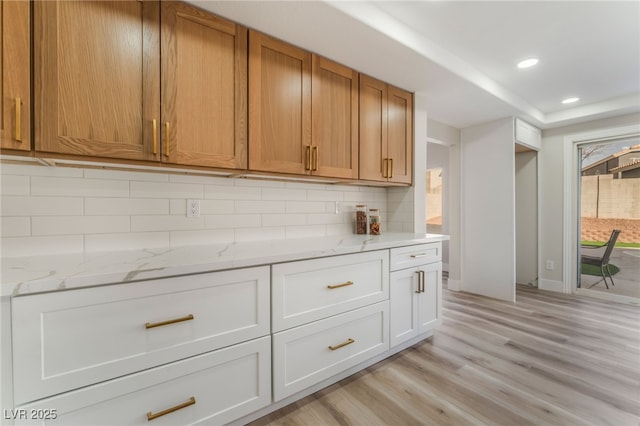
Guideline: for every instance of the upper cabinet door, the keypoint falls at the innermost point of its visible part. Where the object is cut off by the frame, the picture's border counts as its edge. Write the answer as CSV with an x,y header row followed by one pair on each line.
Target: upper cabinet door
x,y
279,106
334,120
373,129
204,88
400,135
386,132
15,116
97,86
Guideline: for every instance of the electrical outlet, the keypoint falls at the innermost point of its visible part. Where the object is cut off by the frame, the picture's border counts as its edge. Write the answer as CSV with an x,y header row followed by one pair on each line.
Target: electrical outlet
x,y
550,265
193,208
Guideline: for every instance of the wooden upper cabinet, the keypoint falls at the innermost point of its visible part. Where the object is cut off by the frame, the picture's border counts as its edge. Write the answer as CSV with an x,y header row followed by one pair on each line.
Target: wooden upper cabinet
x,y
15,116
386,132
204,88
279,106
400,135
334,119
96,78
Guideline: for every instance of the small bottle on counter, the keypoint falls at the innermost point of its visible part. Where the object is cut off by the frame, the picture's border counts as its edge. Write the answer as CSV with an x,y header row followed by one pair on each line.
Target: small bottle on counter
x,y
374,222
361,219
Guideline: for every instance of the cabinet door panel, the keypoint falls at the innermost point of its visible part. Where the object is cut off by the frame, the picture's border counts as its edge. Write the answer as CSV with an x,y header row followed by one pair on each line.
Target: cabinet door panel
x,y
279,106
373,128
428,301
400,135
15,116
204,88
403,314
334,119
96,77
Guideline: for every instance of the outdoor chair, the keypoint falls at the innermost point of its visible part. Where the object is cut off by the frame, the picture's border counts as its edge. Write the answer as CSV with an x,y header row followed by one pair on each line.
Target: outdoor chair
x,y
602,261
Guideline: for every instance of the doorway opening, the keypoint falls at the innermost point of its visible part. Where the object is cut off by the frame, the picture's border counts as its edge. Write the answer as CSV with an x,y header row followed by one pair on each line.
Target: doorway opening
x,y
609,200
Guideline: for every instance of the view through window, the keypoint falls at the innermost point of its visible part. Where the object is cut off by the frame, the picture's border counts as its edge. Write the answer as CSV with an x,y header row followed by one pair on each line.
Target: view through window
x,y
610,200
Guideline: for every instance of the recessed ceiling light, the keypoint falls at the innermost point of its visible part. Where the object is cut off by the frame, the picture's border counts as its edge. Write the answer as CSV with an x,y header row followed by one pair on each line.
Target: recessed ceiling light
x,y
570,100
527,63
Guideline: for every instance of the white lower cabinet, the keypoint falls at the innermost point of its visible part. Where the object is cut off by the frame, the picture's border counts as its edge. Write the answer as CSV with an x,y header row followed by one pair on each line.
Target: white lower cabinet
x,y
415,295
213,388
306,355
69,339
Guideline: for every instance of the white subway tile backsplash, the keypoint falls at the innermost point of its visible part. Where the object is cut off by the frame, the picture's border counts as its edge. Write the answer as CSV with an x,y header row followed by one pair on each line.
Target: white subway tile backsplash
x,y
14,185
15,226
65,186
47,210
201,236
78,225
229,221
126,206
226,192
166,190
165,223
41,206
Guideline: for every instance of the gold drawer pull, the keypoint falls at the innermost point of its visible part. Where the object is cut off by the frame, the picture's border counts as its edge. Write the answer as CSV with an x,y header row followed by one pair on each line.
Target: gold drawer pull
x,y
342,345
417,256
314,163
168,322
348,283
151,416
167,150
18,120
390,174
307,165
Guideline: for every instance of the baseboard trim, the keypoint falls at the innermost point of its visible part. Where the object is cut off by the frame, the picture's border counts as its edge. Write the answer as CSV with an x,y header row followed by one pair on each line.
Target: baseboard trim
x,y
551,285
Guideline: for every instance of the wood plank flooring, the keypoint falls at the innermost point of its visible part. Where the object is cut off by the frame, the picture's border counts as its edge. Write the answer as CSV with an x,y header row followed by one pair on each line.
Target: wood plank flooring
x,y
549,359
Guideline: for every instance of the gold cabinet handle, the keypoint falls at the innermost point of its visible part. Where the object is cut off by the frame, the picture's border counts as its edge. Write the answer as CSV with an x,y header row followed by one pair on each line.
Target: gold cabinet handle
x,y
342,345
167,139
390,172
151,416
334,286
154,125
385,167
307,165
421,281
168,322
314,167
417,256
18,119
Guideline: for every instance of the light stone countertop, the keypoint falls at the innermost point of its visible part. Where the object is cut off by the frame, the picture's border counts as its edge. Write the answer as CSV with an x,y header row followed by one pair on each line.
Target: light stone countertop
x,y
36,274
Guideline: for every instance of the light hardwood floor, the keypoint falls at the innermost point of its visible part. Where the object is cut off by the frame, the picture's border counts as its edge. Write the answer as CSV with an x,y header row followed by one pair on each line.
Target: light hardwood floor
x,y
549,359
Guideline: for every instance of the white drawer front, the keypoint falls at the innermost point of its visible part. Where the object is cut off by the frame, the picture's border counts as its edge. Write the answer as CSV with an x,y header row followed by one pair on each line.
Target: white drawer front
x,y
225,384
309,290
66,340
410,256
302,356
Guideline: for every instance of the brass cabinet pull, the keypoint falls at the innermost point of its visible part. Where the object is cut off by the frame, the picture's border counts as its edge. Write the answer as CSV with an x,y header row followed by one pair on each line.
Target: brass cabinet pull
x,y
314,166
151,416
385,167
417,256
307,164
390,173
421,273
419,281
340,285
168,322
154,125
167,139
18,120
342,345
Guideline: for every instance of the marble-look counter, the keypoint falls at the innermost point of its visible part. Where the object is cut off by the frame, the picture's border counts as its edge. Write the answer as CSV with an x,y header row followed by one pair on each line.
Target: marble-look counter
x,y
27,275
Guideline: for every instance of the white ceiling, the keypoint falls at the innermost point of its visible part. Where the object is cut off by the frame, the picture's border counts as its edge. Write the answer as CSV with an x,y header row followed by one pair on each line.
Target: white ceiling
x,y
462,55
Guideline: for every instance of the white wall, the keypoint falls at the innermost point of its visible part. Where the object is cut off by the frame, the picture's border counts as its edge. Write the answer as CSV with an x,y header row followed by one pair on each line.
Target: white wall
x,y
48,210
551,165
488,209
526,217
